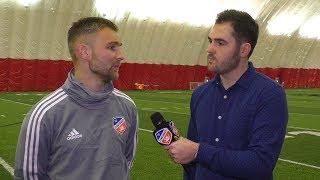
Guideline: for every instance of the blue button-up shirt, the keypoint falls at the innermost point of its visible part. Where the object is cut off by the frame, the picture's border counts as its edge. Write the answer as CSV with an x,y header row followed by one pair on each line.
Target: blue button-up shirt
x,y
240,130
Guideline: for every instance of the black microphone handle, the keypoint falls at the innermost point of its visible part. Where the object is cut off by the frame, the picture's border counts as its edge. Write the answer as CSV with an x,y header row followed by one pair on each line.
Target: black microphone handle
x,y
157,119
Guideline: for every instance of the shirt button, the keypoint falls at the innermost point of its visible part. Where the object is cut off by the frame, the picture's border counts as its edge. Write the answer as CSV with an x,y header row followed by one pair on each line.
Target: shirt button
x,y
217,139
219,117
225,97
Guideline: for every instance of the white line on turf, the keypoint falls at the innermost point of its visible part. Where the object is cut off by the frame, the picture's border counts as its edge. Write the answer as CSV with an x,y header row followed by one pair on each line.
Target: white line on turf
x,y
29,94
150,109
147,130
302,114
15,102
170,92
298,163
288,136
289,161
294,127
146,109
154,110
166,102
6,166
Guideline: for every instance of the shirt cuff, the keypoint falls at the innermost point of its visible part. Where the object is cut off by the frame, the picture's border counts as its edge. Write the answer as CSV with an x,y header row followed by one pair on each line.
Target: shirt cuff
x,y
205,153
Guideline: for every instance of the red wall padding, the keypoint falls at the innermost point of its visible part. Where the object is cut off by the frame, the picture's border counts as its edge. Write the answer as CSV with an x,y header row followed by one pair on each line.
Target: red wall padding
x,y
48,75
32,75
4,80
160,76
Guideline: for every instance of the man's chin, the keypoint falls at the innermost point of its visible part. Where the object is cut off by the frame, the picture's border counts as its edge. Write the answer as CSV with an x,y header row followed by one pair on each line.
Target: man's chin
x,y
112,77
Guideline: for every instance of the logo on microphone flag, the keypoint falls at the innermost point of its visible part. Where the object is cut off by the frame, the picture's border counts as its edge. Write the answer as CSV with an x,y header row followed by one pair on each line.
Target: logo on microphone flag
x,y
163,136
119,124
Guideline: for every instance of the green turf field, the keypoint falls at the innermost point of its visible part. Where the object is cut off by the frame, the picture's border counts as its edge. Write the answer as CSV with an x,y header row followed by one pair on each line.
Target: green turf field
x,y
299,159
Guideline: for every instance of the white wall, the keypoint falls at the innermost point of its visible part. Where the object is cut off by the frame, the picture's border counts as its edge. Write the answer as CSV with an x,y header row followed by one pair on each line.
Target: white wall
x,y
39,32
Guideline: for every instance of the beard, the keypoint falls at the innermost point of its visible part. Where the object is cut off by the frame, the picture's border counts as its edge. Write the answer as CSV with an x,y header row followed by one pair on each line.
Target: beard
x,y
106,74
227,65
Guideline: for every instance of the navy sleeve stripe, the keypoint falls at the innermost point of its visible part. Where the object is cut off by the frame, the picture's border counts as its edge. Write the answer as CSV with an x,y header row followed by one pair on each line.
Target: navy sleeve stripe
x,y
30,161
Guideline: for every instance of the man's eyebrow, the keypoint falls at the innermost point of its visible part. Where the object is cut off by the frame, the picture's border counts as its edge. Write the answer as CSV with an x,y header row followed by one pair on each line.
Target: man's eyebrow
x,y
219,39
114,43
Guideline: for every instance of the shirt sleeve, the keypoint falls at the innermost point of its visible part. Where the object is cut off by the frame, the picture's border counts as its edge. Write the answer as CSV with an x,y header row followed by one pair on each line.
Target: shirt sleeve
x,y
132,139
33,148
267,136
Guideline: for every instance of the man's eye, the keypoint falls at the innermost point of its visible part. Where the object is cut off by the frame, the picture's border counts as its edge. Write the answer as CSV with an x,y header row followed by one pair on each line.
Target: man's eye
x,y
219,43
113,48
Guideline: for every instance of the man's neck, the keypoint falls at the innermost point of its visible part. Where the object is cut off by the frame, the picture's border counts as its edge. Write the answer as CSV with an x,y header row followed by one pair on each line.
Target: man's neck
x,y
230,78
89,80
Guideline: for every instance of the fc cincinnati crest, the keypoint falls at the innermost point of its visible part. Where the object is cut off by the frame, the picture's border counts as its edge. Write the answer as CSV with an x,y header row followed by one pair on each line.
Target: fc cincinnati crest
x,y
164,136
119,124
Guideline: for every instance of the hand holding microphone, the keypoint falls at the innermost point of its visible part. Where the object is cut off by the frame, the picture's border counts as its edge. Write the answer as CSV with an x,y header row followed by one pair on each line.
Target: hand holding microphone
x,y
181,150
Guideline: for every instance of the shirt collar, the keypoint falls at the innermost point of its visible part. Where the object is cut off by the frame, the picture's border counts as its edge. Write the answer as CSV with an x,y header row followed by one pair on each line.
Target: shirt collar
x,y
244,81
247,77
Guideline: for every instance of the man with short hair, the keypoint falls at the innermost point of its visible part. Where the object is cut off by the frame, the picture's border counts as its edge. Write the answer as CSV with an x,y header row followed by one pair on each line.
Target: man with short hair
x,y
238,119
86,129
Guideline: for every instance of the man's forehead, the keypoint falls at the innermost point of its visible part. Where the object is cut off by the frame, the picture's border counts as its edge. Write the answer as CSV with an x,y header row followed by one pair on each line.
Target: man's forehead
x,y
221,29
108,32
107,35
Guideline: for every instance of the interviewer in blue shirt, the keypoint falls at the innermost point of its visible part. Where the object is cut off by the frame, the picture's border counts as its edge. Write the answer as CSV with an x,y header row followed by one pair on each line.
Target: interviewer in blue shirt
x,y
238,119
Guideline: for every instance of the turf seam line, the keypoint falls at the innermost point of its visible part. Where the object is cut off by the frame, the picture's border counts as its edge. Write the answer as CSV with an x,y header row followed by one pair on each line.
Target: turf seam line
x,y
16,102
11,124
147,130
295,127
298,163
166,102
6,166
305,114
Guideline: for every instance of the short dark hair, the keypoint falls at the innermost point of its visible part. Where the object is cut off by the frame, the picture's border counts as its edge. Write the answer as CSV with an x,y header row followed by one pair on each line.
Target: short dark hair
x,y
87,25
246,29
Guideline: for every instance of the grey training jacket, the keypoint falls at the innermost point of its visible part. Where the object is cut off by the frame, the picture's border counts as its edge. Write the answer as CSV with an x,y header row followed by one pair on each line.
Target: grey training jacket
x,y
76,134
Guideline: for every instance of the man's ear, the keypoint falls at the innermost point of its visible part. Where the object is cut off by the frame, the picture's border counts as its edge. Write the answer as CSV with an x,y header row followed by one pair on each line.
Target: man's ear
x,y
83,51
245,49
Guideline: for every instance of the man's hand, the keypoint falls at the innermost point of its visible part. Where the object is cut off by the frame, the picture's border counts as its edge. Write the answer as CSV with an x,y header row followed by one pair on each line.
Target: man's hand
x,y
183,150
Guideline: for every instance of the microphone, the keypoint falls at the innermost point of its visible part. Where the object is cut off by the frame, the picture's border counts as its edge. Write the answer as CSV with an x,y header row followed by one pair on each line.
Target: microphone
x,y
165,132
